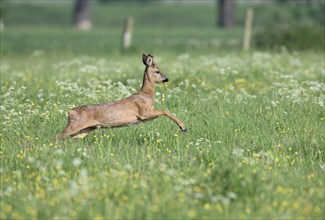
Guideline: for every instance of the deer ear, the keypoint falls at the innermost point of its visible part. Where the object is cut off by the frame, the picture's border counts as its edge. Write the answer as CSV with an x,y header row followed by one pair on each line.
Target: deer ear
x,y
147,59
144,59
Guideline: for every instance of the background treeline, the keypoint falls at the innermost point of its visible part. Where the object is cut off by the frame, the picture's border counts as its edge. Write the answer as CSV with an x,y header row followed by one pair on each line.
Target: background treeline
x,y
296,25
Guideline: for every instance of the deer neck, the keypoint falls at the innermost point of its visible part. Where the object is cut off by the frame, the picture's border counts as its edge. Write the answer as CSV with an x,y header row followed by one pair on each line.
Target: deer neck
x,y
148,86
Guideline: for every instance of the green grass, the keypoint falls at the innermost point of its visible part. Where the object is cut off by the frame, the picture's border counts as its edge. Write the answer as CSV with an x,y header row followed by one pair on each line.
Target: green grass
x,y
23,41
254,146
254,149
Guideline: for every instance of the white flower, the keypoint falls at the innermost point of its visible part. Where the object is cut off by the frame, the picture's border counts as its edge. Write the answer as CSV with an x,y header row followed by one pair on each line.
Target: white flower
x,y
76,162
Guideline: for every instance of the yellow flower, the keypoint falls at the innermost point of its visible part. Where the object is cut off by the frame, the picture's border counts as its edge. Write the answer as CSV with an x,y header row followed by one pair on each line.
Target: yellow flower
x,y
191,213
154,208
247,210
219,208
181,195
99,217
7,208
125,198
207,206
197,189
274,203
240,81
55,182
31,211
284,203
317,209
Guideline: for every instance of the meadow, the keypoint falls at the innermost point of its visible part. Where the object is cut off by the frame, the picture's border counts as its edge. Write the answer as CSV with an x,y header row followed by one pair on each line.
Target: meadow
x,y
254,146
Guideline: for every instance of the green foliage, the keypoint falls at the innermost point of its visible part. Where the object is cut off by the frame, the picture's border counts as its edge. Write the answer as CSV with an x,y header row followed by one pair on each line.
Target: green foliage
x,y
292,37
273,15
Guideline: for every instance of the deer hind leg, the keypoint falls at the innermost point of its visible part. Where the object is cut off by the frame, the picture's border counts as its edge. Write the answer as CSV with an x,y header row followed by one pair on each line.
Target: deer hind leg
x,y
71,129
83,133
74,125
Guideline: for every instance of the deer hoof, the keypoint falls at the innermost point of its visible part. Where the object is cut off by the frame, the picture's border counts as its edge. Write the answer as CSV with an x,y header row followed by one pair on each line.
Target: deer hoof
x,y
184,129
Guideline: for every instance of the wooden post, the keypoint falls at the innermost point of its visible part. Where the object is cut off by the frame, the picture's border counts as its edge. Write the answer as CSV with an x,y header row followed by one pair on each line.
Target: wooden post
x,y
81,15
248,29
127,33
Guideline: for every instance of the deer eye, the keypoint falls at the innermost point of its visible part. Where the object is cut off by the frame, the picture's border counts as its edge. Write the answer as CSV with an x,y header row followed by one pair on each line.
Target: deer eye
x,y
157,71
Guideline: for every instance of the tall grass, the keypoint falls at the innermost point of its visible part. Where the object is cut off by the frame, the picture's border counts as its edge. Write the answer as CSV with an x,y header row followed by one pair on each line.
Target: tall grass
x,y
254,149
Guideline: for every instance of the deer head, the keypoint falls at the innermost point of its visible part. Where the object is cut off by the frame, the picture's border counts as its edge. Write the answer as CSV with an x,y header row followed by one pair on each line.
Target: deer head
x,y
152,71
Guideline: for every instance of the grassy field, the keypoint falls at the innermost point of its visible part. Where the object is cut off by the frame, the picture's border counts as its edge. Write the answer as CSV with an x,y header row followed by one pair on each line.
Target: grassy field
x,y
254,146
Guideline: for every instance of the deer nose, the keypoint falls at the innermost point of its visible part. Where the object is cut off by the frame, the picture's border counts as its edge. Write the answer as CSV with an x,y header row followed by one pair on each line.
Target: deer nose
x,y
165,80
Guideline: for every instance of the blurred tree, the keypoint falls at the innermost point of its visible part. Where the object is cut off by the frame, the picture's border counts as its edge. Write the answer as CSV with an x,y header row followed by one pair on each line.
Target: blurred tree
x,y
226,9
2,6
81,15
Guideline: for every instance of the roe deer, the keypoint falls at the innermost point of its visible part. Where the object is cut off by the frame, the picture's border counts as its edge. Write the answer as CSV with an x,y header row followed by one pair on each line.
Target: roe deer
x,y
131,110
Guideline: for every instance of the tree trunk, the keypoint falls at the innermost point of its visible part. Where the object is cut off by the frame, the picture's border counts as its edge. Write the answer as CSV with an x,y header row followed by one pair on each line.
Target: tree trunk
x,y
226,13
81,15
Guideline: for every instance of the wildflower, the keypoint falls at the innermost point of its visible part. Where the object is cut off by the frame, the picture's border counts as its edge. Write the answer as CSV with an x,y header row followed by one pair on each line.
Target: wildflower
x,y
58,164
191,213
247,210
218,207
207,206
7,208
181,195
154,208
99,217
197,189
317,209
76,162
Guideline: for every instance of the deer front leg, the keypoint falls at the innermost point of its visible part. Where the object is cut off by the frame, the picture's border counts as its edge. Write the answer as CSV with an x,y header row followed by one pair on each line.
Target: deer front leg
x,y
156,113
